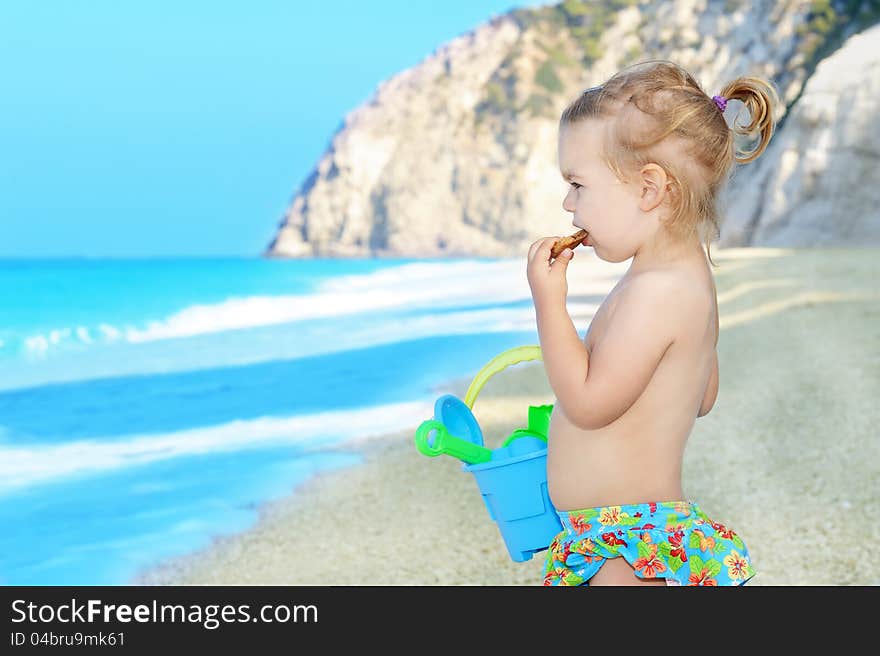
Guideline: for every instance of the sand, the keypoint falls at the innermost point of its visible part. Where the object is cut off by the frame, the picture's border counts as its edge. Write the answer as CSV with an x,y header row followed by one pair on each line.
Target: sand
x,y
789,456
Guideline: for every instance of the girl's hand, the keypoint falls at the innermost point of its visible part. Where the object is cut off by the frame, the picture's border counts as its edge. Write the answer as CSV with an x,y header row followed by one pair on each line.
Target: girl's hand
x,y
547,280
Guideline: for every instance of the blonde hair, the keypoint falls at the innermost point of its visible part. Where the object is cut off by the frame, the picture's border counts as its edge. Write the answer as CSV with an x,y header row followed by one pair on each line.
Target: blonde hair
x,y
655,111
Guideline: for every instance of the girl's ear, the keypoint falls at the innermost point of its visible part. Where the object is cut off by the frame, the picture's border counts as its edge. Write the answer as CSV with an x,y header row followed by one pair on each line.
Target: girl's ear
x,y
654,186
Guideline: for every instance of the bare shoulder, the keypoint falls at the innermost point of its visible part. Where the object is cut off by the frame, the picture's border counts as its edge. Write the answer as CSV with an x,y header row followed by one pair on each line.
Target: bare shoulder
x,y
676,295
664,287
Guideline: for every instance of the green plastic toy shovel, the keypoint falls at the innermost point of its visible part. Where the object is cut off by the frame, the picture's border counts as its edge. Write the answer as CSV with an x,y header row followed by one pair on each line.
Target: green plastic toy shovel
x,y
444,443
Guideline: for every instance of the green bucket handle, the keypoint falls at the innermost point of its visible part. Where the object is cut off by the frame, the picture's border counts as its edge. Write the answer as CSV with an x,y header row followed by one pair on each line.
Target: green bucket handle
x,y
498,364
539,416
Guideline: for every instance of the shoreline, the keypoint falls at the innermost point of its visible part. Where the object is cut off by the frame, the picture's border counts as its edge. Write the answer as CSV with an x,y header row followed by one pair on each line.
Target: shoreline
x,y
353,503
790,437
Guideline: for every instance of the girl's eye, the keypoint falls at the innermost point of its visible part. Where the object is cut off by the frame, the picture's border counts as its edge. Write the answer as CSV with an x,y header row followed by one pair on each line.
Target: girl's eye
x,y
575,185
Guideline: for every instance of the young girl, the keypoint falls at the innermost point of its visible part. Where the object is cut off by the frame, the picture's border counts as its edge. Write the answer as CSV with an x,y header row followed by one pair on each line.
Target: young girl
x,y
645,154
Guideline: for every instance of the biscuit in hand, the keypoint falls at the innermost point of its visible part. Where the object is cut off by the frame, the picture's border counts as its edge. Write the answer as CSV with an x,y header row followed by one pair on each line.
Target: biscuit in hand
x,y
568,242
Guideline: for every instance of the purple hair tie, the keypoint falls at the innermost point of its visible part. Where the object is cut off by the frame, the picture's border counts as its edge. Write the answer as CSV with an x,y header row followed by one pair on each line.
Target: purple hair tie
x,y
721,102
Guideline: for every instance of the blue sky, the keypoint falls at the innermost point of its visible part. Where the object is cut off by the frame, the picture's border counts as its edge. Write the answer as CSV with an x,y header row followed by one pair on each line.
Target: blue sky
x,y
184,128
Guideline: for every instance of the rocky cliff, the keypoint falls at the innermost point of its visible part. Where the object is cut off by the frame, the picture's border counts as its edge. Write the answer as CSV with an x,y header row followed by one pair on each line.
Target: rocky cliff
x,y
457,155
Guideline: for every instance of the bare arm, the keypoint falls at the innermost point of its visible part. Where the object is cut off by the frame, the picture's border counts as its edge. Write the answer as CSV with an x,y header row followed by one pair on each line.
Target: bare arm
x,y
566,359
596,389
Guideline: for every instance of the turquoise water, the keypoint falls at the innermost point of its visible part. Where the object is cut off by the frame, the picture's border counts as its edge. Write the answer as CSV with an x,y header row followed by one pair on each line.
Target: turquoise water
x,y
149,405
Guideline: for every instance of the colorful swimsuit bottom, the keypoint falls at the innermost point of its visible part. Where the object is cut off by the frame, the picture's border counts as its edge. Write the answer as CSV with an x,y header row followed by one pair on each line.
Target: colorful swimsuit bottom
x,y
674,540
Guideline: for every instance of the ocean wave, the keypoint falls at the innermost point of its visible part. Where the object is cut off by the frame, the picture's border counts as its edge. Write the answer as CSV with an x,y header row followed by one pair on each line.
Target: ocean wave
x,y
416,306
26,466
265,345
409,286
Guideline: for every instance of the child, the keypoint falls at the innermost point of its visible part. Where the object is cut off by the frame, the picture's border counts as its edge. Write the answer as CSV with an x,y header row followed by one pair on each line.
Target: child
x,y
645,155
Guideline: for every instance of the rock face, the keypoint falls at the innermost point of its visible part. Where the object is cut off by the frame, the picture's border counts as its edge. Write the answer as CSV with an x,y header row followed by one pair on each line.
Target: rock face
x,y
457,155
818,183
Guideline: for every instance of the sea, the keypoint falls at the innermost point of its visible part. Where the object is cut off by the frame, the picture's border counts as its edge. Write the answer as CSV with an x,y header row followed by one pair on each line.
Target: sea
x,y
149,405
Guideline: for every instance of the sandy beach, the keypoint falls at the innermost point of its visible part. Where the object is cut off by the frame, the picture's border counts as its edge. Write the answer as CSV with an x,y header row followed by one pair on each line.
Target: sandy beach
x,y
788,457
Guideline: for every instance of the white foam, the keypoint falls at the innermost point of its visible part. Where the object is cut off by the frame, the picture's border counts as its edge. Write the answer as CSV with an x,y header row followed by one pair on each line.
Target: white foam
x,y
37,344
56,336
111,333
24,466
82,334
410,286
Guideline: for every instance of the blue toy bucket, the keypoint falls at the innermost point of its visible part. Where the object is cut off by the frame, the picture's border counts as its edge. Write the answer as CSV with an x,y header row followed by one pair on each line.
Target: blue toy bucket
x,y
514,482
515,493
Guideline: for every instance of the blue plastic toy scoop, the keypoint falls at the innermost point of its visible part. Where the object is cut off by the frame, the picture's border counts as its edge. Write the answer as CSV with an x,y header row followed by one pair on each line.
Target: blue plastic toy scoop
x,y
454,413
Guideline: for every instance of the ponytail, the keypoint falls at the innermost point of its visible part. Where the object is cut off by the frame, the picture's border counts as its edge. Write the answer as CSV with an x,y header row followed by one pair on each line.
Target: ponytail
x,y
760,98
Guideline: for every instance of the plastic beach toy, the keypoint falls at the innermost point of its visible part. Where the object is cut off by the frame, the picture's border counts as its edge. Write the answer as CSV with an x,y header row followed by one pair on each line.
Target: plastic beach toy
x,y
511,478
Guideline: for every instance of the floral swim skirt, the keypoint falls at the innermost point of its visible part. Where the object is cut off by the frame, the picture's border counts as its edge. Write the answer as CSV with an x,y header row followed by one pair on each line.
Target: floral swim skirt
x,y
674,540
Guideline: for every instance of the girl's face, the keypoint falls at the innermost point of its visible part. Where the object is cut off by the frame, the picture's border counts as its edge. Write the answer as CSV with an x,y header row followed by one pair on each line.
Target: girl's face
x,y
602,205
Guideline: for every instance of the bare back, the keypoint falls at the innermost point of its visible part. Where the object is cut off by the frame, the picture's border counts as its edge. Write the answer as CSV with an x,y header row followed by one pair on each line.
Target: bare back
x,y
638,457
